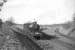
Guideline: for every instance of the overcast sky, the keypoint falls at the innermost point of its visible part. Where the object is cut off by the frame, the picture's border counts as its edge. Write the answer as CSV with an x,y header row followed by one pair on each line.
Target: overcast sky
x,y
44,11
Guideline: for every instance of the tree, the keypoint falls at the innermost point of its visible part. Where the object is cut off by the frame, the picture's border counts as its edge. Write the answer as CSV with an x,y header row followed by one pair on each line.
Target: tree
x,y
10,21
74,17
2,3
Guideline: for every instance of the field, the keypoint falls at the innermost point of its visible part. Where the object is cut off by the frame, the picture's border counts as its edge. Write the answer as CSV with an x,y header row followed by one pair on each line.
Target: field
x,y
62,43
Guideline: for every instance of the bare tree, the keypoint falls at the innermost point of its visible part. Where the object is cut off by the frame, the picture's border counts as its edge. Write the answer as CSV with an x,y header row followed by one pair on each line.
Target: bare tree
x,y
74,17
2,3
10,21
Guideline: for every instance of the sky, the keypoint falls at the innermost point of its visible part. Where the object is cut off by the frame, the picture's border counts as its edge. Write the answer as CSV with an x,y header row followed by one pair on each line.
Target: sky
x,y
42,11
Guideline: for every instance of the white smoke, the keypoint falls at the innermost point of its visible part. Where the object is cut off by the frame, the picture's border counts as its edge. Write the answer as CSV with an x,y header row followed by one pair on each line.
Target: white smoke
x,y
44,11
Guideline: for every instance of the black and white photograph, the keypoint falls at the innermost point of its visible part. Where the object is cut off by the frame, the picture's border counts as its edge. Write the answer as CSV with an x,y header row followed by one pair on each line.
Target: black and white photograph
x,y
37,24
